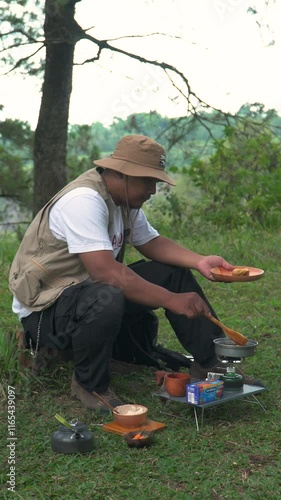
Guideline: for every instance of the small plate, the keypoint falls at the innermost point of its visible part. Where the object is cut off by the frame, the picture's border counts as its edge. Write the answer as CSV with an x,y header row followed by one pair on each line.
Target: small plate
x,y
221,274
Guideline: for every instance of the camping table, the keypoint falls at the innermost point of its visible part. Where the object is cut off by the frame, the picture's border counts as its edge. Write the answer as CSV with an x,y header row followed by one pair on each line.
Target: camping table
x,y
247,390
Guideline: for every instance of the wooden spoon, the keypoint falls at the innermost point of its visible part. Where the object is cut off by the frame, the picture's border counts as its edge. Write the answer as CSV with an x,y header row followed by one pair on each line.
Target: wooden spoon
x,y
237,337
106,403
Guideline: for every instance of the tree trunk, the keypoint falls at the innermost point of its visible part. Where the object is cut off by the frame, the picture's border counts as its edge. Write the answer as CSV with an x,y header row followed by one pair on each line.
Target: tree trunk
x,y
50,140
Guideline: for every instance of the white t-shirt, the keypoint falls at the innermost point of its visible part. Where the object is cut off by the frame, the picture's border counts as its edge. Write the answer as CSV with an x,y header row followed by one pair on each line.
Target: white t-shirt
x,y
80,218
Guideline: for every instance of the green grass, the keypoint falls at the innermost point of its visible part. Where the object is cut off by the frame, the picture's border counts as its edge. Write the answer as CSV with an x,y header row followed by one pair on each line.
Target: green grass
x,y
236,454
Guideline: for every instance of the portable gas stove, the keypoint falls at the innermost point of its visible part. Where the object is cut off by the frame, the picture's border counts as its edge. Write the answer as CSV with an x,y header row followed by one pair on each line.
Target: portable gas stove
x,y
231,354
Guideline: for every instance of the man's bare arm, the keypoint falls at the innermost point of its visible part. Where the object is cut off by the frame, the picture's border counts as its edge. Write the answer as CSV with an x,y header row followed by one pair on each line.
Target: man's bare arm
x,y
102,267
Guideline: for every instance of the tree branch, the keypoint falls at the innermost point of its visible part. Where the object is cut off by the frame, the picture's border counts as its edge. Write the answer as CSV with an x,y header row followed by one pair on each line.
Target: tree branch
x,y
21,61
22,32
103,44
20,44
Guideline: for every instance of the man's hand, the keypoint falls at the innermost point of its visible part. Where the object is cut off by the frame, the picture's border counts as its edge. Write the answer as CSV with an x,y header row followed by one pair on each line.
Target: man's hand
x,y
206,263
189,304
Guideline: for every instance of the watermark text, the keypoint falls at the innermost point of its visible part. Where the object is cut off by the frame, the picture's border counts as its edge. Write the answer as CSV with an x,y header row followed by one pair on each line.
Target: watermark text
x,y
11,438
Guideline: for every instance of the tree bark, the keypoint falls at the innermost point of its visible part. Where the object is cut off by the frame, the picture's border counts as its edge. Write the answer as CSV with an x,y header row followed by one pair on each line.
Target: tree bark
x,y
50,140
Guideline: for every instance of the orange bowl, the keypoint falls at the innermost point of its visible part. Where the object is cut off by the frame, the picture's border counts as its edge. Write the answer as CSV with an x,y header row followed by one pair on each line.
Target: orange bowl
x,y
130,415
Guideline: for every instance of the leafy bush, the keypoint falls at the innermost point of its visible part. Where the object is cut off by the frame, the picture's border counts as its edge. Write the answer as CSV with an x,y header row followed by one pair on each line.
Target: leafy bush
x,y
171,211
241,182
16,140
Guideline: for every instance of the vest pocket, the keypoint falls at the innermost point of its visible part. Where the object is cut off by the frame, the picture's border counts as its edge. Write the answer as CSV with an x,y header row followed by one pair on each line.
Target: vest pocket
x,y
34,291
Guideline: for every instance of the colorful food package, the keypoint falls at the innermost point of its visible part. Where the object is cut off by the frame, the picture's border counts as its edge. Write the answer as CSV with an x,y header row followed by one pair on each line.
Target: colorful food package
x,y
205,391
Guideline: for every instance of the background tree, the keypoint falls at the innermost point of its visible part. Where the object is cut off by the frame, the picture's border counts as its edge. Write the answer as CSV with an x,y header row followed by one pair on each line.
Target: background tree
x,y
60,36
82,150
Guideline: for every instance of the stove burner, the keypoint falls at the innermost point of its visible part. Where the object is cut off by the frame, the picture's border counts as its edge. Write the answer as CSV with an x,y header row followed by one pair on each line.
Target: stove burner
x,y
232,354
232,381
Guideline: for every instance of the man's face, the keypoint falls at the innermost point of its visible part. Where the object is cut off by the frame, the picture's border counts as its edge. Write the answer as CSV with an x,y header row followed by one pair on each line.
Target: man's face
x,y
139,190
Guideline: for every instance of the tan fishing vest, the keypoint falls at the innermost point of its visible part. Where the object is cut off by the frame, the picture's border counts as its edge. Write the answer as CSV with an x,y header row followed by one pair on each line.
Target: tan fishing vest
x,y
43,267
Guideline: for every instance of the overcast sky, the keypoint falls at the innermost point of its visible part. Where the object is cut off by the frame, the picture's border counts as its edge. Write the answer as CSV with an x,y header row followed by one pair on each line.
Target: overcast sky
x,y
230,58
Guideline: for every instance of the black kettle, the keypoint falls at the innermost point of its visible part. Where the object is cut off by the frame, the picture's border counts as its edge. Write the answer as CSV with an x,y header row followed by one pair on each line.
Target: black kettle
x,y
73,437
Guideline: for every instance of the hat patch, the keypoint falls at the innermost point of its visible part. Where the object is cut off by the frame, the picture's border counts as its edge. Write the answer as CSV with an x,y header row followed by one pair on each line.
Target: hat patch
x,y
162,161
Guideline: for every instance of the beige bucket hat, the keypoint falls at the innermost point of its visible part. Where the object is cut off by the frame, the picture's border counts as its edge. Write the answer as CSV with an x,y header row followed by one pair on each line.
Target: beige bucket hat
x,y
138,156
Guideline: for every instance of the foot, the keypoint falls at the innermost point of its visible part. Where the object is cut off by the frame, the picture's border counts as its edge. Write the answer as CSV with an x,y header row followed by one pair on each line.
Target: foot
x,y
197,372
90,401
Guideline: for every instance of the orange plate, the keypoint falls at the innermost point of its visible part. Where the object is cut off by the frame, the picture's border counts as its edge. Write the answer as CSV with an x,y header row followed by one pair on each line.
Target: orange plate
x,y
221,274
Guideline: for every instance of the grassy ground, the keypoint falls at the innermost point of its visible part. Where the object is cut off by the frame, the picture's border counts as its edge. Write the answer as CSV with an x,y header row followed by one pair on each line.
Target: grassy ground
x,y
236,454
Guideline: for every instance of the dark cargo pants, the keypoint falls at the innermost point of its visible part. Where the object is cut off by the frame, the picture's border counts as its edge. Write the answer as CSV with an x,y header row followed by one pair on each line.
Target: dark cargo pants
x,y
87,318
